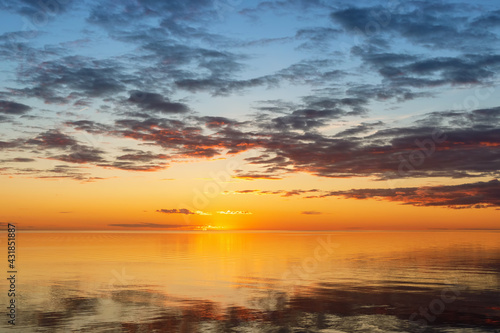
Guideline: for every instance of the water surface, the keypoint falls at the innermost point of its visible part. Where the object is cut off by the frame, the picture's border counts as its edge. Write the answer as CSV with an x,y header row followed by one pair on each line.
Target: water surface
x,y
257,282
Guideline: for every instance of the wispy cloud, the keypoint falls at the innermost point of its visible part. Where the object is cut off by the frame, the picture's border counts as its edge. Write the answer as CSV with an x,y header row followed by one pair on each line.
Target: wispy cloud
x,y
237,212
183,211
311,212
152,225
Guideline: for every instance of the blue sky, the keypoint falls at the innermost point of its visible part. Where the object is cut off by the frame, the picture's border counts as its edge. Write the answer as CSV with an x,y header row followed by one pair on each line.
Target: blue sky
x,y
330,89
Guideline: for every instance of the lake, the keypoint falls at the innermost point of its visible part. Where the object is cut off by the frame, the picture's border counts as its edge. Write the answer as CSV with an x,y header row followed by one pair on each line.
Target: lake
x,y
250,281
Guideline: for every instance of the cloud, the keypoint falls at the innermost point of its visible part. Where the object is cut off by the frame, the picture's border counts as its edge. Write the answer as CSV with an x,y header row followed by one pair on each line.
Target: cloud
x,y
155,102
20,160
363,128
35,10
302,72
89,126
9,144
81,154
184,140
72,78
283,193
238,212
176,211
128,166
415,151
487,21
472,195
137,160
142,93
54,173
52,139
181,211
189,212
317,37
13,108
122,14
141,156
403,70
218,122
432,25
74,152
385,92
152,225
254,176
315,112
311,212
466,146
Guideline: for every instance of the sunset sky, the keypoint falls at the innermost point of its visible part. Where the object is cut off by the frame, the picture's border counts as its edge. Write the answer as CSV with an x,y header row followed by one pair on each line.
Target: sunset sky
x,y
233,114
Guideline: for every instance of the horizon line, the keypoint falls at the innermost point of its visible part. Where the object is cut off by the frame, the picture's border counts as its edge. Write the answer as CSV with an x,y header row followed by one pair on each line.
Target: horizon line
x,y
254,230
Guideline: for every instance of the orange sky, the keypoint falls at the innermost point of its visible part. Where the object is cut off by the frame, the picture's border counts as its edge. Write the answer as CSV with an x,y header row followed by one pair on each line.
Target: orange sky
x,y
135,198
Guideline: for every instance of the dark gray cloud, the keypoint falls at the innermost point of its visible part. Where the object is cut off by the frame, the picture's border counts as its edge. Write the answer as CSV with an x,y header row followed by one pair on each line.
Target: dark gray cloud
x,y
317,37
72,78
478,119
223,87
443,144
141,156
155,102
73,151
137,160
385,92
363,128
9,144
81,154
403,70
56,172
13,108
184,140
446,25
111,15
487,21
89,126
315,112
22,160
305,119
131,166
473,195
52,139
218,122
36,10
283,6
303,72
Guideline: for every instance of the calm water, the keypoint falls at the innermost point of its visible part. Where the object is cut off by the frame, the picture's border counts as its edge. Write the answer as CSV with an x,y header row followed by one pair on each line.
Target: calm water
x,y
257,282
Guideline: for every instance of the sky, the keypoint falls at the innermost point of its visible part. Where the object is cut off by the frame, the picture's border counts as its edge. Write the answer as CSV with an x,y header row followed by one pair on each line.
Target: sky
x,y
232,114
